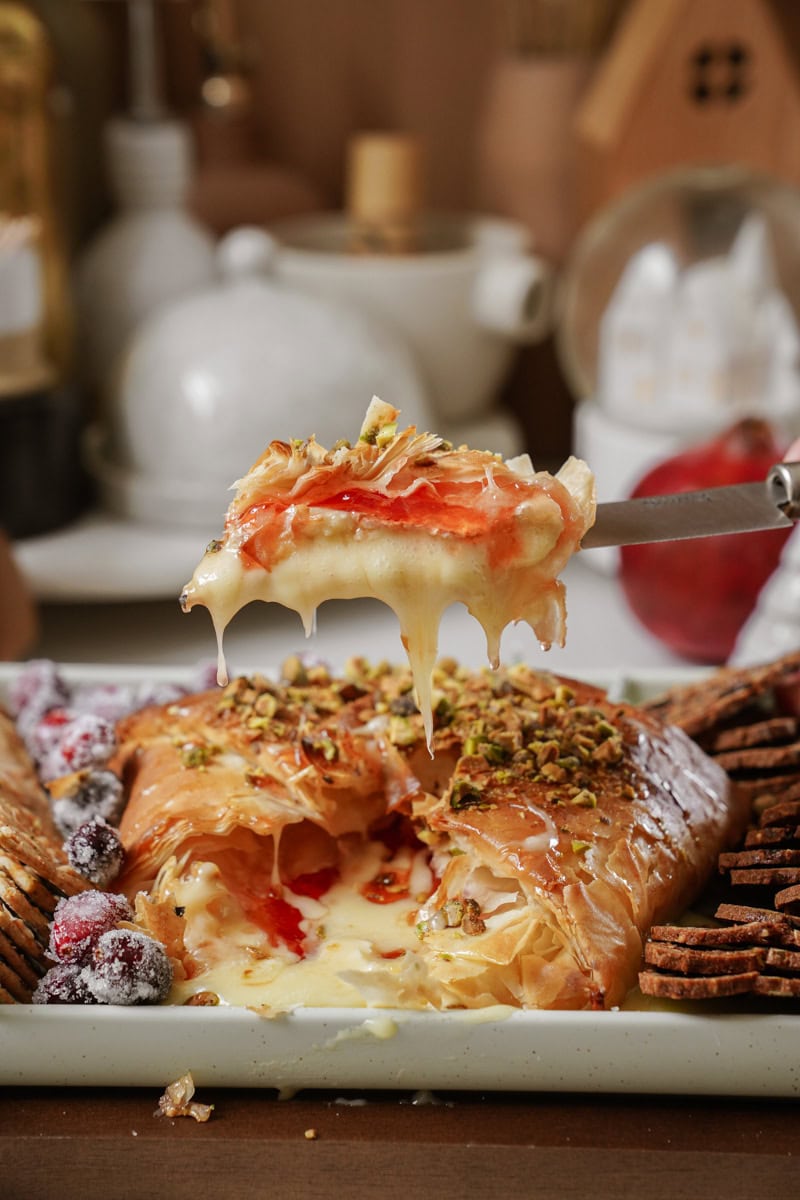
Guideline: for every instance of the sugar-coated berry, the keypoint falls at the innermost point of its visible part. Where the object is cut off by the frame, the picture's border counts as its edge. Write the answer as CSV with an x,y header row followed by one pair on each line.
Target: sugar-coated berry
x,y
80,921
95,793
43,737
38,688
64,741
128,967
111,701
63,984
95,851
88,741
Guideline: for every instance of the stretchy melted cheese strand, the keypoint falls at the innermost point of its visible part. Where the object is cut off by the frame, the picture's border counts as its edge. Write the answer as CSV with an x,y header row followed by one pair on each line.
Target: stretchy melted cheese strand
x,y
406,519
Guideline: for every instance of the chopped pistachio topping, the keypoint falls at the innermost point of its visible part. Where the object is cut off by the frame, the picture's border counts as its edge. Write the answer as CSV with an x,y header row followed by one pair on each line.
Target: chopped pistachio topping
x,y
197,755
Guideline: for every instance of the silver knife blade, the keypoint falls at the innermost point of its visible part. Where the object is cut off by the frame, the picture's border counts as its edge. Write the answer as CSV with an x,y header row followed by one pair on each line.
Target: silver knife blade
x,y
773,503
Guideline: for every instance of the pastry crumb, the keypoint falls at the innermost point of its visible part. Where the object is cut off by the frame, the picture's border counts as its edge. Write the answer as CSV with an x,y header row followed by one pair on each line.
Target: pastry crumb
x,y
177,1101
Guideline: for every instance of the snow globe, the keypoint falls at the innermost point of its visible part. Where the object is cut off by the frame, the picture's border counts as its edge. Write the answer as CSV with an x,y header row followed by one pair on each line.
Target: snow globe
x,y
678,316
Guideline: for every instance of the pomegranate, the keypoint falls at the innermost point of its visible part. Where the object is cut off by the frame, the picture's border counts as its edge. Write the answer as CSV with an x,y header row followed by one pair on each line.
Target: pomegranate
x,y
695,595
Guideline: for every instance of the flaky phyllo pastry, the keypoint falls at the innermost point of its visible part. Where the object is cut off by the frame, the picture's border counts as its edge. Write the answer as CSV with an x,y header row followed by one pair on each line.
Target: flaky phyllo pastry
x,y
408,519
317,854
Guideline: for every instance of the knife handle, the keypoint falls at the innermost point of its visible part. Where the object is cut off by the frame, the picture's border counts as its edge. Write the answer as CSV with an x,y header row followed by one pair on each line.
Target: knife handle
x,y
783,488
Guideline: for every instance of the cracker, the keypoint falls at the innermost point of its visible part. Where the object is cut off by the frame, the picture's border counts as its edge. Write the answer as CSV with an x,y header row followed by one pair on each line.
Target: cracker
x,y
704,705
778,835
689,960
771,795
755,933
51,867
760,856
38,893
784,812
788,900
686,987
746,912
776,877
20,964
776,985
759,758
31,939
757,733
11,982
766,790
783,960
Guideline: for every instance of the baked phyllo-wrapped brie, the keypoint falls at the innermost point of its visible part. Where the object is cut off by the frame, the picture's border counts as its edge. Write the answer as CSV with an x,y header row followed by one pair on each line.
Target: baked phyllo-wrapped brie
x,y
318,855
405,518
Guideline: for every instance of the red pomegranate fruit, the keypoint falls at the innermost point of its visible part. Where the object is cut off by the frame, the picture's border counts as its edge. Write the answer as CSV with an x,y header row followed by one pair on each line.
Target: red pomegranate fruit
x,y
695,595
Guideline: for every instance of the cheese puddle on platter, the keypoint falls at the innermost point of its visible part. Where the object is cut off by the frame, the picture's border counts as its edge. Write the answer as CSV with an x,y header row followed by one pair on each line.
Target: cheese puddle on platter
x,y
358,951
405,519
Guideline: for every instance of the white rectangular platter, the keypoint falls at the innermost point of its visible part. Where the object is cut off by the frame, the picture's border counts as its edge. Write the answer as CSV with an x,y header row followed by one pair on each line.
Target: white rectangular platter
x,y
711,1052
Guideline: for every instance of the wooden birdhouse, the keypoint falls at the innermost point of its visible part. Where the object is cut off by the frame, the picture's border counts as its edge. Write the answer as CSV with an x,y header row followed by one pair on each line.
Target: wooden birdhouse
x,y
691,82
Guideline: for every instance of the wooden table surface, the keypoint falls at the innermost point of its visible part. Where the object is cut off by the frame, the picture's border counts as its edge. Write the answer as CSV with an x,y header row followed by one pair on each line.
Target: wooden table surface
x,y
86,1143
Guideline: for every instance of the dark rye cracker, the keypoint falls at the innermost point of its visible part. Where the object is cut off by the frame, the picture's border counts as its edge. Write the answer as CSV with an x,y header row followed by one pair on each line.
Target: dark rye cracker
x,y
787,900
691,960
781,986
708,703
758,733
760,856
773,877
746,912
777,836
749,933
760,758
783,812
687,987
781,959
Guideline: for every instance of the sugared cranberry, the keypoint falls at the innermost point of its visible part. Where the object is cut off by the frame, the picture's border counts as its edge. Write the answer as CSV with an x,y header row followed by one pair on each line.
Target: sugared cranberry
x,y
95,793
43,737
95,851
38,688
65,741
128,967
63,984
88,741
79,922
111,701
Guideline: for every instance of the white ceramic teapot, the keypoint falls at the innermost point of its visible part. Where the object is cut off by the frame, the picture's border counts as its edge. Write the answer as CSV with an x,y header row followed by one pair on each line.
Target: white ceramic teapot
x,y
468,295
208,381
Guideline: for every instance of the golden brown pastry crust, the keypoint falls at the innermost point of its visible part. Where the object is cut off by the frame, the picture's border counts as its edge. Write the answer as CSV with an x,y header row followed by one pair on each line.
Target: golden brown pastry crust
x,y
571,821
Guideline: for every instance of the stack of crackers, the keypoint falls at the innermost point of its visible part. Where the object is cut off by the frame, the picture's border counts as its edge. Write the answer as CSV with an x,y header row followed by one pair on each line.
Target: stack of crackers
x,y
34,872
748,720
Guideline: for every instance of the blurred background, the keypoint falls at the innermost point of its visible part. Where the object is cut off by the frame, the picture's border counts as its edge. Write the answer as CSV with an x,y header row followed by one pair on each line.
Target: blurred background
x,y
545,225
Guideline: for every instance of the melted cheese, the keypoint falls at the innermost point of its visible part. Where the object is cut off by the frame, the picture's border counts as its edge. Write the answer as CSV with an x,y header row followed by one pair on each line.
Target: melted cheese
x,y
347,934
504,569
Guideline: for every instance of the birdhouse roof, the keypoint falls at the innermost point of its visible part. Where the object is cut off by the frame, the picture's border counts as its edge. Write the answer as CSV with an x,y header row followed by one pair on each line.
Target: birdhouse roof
x,y
654,41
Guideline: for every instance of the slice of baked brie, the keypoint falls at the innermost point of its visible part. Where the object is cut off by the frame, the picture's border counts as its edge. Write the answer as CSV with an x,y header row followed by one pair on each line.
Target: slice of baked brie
x,y
405,518
318,855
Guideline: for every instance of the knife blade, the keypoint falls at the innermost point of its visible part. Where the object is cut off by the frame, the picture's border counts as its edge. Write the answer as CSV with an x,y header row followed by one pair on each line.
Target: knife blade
x,y
772,503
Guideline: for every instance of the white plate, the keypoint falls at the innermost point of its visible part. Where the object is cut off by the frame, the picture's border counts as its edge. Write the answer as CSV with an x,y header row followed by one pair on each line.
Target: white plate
x,y
104,558
497,1049
708,1051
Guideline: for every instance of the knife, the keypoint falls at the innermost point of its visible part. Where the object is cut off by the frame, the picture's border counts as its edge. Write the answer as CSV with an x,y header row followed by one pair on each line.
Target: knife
x,y
772,503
